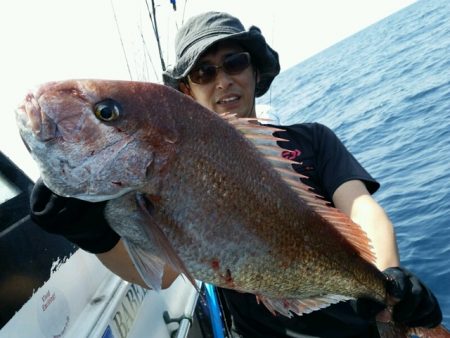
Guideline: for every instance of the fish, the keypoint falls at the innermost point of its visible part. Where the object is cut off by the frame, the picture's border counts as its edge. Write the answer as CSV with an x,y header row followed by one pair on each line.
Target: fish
x,y
208,195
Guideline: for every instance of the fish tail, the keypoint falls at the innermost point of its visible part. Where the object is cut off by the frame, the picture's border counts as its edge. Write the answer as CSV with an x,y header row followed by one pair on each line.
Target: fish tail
x,y
396,330
436,332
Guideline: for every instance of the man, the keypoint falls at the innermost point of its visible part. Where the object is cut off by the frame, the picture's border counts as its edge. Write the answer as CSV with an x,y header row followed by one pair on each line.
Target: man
x,y
224,67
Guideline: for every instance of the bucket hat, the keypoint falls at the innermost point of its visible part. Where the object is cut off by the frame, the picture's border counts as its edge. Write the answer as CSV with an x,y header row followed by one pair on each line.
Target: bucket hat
x,y
202,31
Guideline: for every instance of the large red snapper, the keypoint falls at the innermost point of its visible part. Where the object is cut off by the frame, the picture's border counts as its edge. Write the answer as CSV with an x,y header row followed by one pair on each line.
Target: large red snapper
x,y
208,195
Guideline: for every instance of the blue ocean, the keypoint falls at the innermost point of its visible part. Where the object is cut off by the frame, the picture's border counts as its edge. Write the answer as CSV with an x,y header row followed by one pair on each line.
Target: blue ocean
x,y
385,91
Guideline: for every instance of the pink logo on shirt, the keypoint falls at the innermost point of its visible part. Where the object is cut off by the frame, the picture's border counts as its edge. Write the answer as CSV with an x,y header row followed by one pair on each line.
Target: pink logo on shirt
x,y
291,154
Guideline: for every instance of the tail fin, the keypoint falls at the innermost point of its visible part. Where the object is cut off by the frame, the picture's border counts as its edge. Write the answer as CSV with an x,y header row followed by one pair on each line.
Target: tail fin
x,y
395,330
437,332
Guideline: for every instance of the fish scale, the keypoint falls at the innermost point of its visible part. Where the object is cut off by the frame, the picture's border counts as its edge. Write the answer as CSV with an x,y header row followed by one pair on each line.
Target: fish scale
x,y
207,195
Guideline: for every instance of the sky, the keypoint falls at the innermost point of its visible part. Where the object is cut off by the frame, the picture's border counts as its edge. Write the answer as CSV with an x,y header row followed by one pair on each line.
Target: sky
x,y
47,40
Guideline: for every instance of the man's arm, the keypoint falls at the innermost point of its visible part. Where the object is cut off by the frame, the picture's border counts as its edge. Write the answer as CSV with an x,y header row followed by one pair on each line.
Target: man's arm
x,y
355,201
417,306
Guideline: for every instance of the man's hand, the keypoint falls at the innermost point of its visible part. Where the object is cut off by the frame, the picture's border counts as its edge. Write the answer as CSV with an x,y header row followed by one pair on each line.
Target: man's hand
x,y
83,223
416,306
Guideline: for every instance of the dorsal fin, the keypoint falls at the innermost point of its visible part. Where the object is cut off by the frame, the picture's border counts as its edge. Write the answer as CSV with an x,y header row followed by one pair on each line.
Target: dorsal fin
x,y
262,137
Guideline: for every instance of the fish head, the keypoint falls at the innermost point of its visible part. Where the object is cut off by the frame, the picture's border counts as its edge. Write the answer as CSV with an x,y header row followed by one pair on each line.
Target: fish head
x,y
96,139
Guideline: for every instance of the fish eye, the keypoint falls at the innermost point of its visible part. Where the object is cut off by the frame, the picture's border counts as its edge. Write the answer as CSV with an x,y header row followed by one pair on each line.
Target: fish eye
x,y
107,110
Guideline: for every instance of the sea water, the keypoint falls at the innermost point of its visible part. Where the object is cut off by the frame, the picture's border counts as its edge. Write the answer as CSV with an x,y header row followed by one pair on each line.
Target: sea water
x,y
385,91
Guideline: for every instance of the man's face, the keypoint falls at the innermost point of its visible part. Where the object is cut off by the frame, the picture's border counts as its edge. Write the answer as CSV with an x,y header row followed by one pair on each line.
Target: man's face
x,y
225,92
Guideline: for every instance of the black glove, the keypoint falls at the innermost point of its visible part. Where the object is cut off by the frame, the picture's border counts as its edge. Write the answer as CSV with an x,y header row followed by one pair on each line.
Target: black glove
x,y
417,306
367,308
83,223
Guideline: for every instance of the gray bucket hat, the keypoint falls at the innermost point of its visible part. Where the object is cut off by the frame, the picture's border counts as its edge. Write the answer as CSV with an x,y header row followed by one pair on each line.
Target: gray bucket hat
x,y
202,31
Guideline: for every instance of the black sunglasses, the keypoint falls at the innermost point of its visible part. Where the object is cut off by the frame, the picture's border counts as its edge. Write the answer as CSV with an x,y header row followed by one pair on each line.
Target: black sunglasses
x,y
232,65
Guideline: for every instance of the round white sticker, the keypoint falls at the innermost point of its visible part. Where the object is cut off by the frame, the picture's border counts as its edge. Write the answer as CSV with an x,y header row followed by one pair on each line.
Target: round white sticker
x,y
53,312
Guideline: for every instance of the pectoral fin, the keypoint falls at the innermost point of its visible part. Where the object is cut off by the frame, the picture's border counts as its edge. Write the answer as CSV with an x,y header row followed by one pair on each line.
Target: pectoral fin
x,y
163,247
150,267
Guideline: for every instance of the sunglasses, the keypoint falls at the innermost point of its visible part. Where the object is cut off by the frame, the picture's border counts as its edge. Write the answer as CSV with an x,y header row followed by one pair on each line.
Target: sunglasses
x,y
232,65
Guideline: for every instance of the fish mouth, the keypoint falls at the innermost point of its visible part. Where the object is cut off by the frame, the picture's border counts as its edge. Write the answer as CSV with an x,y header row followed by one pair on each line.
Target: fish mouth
x,y
30,115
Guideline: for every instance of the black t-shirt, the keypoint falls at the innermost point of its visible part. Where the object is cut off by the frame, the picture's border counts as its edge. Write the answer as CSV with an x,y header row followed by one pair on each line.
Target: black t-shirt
x,y
327,163
323,158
